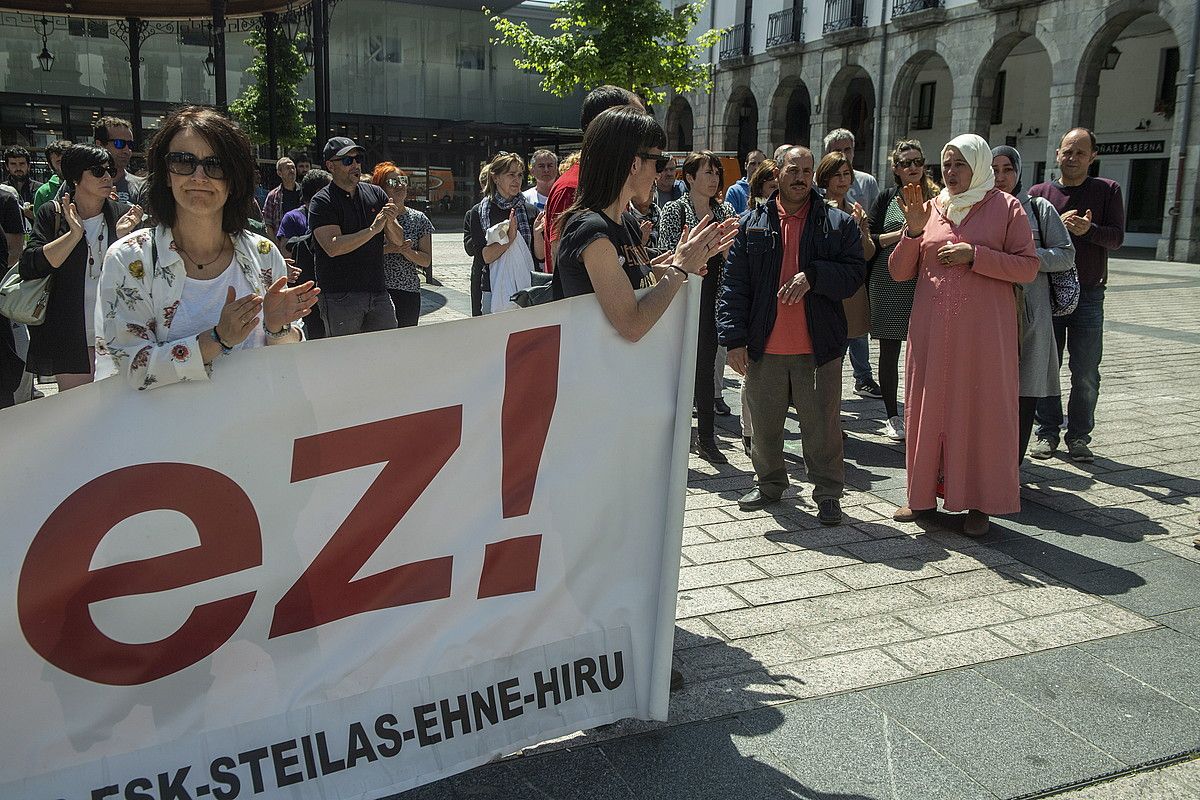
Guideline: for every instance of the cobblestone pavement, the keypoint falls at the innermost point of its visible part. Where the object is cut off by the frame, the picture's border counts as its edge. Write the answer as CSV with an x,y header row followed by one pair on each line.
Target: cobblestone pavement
x,y
885,660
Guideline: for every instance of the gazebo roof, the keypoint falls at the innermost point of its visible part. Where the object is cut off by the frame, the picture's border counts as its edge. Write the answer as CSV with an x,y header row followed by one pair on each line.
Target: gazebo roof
x,y
147,9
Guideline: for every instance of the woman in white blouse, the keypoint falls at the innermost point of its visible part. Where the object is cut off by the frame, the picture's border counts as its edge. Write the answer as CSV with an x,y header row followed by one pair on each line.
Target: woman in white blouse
x,y
176,299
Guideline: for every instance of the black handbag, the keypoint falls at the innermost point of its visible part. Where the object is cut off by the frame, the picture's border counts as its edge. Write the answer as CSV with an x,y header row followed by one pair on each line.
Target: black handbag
x,y
538,293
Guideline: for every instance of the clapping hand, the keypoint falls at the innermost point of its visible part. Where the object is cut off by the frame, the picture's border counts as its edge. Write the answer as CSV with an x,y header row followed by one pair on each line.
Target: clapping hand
x,y
860,216
1076,224
915,207
645,227
539,223
130,220
283,305
71,213
697,245
239,316
386,214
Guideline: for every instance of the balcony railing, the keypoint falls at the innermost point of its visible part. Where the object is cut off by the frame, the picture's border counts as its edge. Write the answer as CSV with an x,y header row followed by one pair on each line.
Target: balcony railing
x,y
843,15
735,42
902,7
784,27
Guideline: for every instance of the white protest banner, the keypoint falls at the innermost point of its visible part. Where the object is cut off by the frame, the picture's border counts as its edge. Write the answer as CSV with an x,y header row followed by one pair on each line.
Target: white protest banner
x,y
343,568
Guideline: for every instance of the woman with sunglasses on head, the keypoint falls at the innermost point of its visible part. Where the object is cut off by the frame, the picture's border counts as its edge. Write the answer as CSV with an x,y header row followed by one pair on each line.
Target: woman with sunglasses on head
x,y
705,178
175,299
408,248
70,237
500,181
892,300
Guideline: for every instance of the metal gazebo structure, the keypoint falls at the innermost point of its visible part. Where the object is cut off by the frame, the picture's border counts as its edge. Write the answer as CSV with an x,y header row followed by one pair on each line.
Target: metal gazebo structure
x,y
135,21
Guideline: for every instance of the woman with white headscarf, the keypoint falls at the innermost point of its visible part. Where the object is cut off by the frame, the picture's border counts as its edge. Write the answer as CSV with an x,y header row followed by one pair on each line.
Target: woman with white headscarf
x,y
966,248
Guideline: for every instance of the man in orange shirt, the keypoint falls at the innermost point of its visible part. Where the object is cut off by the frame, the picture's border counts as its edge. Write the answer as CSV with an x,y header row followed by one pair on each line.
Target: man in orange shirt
x,y
779,314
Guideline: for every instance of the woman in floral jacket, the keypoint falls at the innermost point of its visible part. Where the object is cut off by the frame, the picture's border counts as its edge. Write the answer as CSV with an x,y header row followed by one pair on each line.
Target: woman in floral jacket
x,y
175,299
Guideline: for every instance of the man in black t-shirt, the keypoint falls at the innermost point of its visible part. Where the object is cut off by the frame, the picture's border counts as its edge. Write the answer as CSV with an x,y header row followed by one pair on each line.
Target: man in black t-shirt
x,y
347,219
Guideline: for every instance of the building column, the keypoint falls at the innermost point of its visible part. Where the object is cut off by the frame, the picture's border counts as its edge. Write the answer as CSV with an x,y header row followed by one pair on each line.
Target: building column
x,y
1069,108
1181,233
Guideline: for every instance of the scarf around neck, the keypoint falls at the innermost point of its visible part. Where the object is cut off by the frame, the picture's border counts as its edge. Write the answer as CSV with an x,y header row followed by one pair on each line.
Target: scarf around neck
x,y
978,155
523,221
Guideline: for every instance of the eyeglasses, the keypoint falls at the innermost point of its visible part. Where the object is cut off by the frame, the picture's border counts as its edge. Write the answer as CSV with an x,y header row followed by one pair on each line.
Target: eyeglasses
x,y
120,144
910,162
186,163
100,170
396,183
348,160
661,160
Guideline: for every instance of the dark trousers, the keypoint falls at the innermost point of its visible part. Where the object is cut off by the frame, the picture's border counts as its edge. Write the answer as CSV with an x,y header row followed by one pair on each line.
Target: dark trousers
x,y
1081,333
477,287
889,375
706,354
408,307
347,313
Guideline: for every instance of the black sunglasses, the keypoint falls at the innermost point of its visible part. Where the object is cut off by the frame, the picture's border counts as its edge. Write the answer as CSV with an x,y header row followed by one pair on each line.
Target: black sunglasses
x,y
100,170
910,162
186,163
348,160
121,144
661,160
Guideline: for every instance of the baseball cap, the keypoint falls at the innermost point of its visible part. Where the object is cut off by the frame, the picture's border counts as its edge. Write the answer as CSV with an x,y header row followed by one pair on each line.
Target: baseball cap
x,y
337,147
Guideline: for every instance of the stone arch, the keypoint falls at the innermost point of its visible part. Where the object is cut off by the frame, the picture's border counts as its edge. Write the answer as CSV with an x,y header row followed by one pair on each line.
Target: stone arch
x,y
680,125
850,103
1117,17
741,122
791,113
986,76
902,102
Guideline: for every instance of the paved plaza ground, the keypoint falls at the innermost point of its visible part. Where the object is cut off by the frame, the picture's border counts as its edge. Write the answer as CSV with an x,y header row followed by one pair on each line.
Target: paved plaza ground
x,y
1061,653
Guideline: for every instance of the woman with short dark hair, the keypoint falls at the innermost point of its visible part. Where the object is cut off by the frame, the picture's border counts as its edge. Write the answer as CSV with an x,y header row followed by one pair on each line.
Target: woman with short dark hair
x,y
199,286
764,182
69,241
705,179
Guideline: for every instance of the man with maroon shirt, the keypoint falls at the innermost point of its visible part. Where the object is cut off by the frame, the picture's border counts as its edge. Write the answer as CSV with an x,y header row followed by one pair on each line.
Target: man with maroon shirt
x,y
562,195
1094,213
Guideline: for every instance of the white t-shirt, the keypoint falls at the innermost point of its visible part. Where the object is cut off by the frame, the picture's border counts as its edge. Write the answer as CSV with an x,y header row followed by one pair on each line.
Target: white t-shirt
x,y
202,301
539,200
95,233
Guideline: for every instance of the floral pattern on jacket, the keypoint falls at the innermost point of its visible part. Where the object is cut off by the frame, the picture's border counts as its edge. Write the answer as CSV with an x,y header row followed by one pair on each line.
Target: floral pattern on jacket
x,y
138,298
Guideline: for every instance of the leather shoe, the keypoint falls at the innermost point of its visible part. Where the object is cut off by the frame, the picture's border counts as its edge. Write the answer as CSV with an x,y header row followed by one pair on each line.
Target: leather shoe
x,y
829,511
754,500
708,450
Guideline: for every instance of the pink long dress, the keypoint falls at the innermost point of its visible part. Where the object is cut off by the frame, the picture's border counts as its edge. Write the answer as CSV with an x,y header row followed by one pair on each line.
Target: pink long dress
x,y
961,375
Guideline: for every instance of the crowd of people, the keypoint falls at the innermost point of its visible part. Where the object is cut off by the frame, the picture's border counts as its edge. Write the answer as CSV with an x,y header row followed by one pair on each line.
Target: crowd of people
x,y
801,261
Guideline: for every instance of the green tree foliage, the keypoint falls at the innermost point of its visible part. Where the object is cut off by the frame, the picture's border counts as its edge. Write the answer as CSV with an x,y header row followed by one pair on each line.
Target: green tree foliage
x,y
251,108
636,44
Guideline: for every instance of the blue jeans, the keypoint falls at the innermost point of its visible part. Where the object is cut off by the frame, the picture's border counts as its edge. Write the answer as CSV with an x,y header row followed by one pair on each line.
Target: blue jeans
x,y
860,359
1082,333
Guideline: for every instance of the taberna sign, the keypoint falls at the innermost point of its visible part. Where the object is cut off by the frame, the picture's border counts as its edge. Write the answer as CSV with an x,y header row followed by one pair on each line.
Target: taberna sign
x,y
1131,148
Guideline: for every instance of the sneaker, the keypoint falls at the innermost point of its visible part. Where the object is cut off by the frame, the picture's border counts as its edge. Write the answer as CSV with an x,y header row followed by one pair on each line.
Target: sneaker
x,y
868,388
1079,451
894,429
829,511
721,407
1043,449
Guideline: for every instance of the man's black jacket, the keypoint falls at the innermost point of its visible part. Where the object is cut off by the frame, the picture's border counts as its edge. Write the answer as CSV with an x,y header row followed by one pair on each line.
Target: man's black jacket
x,y
831,257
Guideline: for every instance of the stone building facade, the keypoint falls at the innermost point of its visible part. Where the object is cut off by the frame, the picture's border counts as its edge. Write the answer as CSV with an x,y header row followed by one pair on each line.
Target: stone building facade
x,y
1016,71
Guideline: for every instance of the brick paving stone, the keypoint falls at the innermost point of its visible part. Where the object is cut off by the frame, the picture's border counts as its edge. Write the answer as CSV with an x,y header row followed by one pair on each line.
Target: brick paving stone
x,y
752,653
818,537
788,587
742,623
839,673
1041,600
1055,630
857,634
1181,546
950,651
896,570
702,516
693,536
961,615
867,602
718,574
725,530
1125,621
979,583
793,563
697,602
731,550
